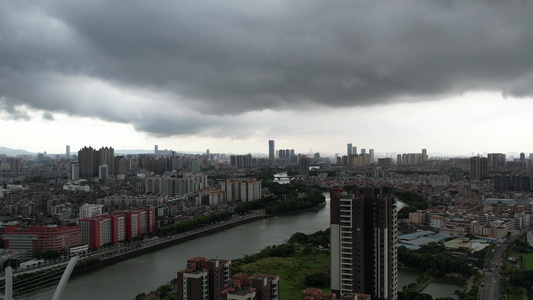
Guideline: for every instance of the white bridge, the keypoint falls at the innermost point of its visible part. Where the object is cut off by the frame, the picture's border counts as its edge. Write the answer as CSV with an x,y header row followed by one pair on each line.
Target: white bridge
x,y
8,295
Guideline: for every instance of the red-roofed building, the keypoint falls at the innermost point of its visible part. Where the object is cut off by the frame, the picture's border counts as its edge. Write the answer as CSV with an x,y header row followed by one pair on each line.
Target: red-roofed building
x,y
318,294
51,237
118,227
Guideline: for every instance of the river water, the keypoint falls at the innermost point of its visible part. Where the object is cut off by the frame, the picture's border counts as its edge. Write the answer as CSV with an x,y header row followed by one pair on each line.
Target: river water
x,y
126,279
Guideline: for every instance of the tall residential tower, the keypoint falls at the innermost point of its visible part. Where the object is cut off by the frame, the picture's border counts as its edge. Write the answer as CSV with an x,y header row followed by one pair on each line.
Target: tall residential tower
x,y
271,150
364,255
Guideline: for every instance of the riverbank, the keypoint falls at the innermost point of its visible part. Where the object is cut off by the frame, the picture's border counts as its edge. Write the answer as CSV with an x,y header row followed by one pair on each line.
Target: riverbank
x,y
108,256
177,239
187,236
127,278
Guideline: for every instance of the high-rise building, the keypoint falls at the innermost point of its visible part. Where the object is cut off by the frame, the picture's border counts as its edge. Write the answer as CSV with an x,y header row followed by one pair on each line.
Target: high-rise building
x,y
91,159
156,149
88,162
209,279
121,165
349,150
267,286
363,243
371,152
100,230
478,168
304,165
496,160
412,158
68,151
103,172
203,278
271,150
74,171
107,157
241,161
363,151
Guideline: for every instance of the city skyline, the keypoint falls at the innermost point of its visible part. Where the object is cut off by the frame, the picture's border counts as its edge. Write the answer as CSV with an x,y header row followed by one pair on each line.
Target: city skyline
x,y
395,76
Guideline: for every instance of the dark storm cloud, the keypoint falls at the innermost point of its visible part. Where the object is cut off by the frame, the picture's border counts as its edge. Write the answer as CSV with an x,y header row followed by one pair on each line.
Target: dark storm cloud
x,y
230,57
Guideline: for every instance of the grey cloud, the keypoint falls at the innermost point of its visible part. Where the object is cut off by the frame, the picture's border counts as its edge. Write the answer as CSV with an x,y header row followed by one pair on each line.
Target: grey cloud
x,y
12,111
48,116
227,58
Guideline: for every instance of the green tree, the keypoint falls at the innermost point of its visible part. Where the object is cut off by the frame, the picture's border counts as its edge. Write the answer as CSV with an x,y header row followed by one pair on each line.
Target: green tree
x,y
163,290
317,280
50,254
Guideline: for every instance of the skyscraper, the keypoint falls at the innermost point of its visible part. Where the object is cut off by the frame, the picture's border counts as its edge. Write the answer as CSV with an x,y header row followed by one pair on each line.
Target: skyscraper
x,y
156,149
478,168
349,150
68,151
91,159
371,152
107,157
88,162
363,243
304,165
271,150
496,160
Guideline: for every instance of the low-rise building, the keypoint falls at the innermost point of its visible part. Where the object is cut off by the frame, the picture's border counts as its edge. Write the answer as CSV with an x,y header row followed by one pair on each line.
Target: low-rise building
x,y
50,237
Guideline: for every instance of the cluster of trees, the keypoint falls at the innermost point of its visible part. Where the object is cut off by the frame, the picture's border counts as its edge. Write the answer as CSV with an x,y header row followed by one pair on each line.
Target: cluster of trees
x,y
318,280
49,254
319,239
192,224
265,173
258,204
34,179
522,279
285,199
521,245
287,206
518,280
434,260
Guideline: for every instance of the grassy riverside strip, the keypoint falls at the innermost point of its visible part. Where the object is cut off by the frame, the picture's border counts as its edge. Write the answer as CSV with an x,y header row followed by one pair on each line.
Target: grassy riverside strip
x,y
302,262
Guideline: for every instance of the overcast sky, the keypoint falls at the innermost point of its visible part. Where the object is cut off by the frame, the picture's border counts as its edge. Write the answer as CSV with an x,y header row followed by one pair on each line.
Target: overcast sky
x,y
454,77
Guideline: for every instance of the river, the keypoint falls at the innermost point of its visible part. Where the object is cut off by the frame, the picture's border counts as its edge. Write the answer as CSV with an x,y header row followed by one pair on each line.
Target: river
x,y
126,279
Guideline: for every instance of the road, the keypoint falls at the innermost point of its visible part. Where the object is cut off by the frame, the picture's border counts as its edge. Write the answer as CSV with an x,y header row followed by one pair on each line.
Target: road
x,y
492,281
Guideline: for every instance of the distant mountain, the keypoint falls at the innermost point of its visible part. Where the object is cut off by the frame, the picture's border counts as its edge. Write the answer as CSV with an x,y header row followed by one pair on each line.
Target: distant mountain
x,y
14,152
